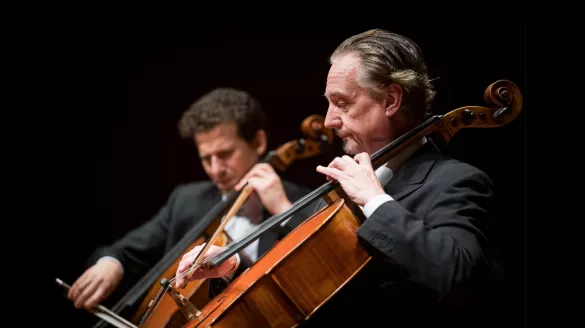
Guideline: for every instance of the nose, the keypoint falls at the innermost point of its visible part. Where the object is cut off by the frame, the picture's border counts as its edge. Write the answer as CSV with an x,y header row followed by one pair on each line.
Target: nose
x,y
216,166
332,120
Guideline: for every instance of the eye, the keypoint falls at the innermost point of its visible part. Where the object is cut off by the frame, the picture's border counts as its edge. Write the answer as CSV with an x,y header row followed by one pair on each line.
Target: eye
x,y
342,105
225,154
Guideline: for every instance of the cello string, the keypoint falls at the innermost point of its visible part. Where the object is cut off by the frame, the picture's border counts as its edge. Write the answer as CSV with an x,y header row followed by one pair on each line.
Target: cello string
x,y
191,269
157,302
152,308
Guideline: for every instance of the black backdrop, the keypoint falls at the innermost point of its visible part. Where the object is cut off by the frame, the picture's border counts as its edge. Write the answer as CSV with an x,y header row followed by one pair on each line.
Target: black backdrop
x,y
134,80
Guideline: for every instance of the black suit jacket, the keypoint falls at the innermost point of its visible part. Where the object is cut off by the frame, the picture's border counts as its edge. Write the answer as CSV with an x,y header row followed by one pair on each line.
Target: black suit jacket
x,y
140,249
432,259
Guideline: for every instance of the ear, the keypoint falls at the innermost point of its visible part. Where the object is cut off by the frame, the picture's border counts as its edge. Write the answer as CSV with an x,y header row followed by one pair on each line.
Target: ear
x,y
393,99
260,142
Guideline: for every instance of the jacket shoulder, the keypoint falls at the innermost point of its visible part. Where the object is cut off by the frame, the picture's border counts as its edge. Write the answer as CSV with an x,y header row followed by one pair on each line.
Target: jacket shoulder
x,y
187,192
449,169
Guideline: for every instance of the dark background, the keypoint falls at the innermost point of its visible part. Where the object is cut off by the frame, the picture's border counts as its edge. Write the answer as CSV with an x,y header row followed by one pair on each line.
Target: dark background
x,y
132,82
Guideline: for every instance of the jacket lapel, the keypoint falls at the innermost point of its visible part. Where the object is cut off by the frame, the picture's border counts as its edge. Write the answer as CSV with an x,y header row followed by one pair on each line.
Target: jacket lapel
x,y
412,174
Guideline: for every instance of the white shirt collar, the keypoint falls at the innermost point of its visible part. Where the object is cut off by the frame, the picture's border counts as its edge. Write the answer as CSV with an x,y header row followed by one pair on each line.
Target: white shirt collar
x,y
385,172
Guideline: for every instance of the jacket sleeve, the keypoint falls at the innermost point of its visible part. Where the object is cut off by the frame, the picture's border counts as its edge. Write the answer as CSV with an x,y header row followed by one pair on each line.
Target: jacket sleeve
x,y
143,246
447,250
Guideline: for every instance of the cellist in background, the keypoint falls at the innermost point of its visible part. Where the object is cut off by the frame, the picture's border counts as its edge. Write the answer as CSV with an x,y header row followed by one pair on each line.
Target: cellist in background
x,y
428,216
228,127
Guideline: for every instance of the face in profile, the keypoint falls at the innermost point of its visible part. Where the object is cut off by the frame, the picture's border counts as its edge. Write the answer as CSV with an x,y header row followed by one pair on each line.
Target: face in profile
x,y
362,122
225,156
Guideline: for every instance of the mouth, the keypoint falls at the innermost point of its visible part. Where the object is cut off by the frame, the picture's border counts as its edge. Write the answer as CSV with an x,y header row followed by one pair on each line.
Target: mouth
x,y
342,135
223,182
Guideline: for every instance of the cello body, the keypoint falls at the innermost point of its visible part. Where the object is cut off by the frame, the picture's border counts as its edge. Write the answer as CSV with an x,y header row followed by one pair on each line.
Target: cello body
x,y
290,282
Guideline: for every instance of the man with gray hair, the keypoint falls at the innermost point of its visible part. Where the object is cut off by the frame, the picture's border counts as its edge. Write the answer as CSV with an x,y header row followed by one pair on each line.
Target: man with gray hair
x,y
428,216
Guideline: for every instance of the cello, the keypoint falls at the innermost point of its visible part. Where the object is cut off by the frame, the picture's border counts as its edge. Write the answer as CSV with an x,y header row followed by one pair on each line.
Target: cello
x,y
273,292
145,295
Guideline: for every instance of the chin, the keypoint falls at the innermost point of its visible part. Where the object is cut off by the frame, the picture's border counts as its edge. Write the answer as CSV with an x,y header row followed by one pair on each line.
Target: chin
x,y
350,147
225,189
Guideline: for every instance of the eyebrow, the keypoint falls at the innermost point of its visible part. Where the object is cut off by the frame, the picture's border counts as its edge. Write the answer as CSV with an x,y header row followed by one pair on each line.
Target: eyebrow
x,y
228,148
334,93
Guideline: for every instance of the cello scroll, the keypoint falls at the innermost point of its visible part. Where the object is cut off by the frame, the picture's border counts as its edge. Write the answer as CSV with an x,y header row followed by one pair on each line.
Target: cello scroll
x,y
505,101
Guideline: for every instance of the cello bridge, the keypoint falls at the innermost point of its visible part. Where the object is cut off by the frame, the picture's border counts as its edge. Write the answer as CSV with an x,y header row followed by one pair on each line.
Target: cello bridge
x,y
187,308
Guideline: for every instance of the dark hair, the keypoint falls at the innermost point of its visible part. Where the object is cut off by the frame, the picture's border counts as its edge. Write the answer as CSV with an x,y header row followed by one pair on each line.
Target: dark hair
x,y
223,105
388,58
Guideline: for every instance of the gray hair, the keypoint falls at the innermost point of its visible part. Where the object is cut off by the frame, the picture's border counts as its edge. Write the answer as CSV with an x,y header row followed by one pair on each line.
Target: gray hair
x,y
388,58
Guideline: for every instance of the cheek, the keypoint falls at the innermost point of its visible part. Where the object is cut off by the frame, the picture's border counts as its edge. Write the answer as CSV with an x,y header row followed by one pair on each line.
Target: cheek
x,y
207,169
369,127
379,130
375,119
231,164
356,126
236,164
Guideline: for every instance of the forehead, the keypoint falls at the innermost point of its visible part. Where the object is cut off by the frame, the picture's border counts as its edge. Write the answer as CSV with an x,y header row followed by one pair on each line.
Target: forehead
x,y
219,138
341,80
